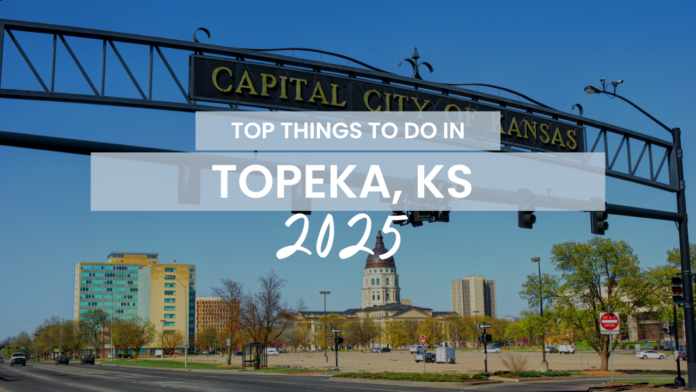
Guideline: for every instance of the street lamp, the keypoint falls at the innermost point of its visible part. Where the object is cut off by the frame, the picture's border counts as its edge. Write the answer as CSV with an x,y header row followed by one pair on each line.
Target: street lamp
x,y
544,364
683,230
163,321
186,320
325,293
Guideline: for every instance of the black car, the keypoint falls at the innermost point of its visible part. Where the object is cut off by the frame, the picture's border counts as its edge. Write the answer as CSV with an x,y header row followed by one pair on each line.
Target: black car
x,y
386,350
87,359
238,353
62,359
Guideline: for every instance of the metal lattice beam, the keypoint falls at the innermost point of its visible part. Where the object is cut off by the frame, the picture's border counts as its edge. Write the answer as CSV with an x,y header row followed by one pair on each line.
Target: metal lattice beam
x,y
155,44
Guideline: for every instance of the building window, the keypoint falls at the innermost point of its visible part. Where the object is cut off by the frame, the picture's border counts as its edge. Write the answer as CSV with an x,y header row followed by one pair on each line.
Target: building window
x,y
373,297
373,281
377,296
169,300
169,292
170,270
387,283
169,316
169,277
380,270
170,285
377,281
169,308
387,296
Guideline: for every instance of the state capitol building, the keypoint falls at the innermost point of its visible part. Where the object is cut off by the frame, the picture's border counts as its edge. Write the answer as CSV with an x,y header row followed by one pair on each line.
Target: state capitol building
x,y
381,295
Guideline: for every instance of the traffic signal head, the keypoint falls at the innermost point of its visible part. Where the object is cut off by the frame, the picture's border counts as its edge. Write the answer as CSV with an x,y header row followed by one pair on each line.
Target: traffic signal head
x,y
598,222
677,290
339,340
525,219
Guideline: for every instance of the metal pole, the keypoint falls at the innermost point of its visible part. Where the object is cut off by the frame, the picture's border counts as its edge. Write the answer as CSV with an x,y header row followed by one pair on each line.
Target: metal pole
x,y
325,356
485,355
60,341
544,364
690,334
336,350
679,380
111,332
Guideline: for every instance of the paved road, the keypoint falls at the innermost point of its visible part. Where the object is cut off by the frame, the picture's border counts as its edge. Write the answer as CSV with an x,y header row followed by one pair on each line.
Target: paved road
x,y
76,378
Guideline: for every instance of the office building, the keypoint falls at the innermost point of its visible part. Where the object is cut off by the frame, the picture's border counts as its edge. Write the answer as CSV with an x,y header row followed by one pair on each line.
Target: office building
x,y
473,296
213,311
135,285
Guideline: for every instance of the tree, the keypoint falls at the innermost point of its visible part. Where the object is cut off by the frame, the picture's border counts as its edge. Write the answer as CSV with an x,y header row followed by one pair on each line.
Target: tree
x,y
455,328
432,329
206,338
140,334
498,329
95,325
121,331
361,332
598,276
232,295
73,336
513,332
298,337
396,334
171,340
265,316
331,321
411,330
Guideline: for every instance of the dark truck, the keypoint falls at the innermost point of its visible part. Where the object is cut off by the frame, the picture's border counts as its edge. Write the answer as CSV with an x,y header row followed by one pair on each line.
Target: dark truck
x,y
18,358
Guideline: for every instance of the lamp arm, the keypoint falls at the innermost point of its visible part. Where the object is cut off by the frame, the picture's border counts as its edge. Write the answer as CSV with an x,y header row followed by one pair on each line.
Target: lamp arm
x,y
639,109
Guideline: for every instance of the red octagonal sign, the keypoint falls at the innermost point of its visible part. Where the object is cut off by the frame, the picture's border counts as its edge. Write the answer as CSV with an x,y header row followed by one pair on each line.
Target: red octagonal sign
x,y
609,321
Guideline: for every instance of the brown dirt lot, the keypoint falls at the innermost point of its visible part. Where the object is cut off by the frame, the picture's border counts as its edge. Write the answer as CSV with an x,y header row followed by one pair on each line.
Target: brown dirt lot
x,y
467,361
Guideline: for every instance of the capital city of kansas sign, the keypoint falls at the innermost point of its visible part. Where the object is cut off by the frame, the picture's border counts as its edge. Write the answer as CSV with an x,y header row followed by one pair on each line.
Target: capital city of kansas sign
x,y
228,81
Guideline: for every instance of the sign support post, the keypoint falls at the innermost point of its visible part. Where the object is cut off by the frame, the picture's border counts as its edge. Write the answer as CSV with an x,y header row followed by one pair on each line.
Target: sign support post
x,y
422,339
336,331
679,380
609,325
483,337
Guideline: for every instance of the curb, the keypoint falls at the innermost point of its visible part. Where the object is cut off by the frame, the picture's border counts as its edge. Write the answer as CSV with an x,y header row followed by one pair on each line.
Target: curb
x,y
430,384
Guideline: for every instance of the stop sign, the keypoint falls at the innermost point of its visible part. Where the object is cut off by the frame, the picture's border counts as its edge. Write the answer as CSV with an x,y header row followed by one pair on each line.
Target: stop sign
x,y
423,340
609,321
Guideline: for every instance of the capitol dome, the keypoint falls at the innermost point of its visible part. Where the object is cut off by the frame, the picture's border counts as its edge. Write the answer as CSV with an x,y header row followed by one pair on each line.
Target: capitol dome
x,y
374,260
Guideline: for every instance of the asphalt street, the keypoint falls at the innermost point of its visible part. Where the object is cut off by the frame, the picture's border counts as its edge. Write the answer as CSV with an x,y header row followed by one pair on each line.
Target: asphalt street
x,y
75,378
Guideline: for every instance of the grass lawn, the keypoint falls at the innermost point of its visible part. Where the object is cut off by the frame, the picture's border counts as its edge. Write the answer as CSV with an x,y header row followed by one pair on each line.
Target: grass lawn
x,y
285,371
434,377
167,364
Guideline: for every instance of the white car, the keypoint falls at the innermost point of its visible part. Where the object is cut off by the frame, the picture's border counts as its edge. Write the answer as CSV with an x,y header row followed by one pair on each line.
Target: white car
x,y
650,354
413,349
271,351
495,350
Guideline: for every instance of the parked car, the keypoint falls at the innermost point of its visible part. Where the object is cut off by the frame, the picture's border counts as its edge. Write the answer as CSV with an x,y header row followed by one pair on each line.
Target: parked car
x,y
386,350
283,351
62,359
429,357
272,351
492,350
87,359
2,359
18,358
566,349
682,355
413,349
375,350
551,350
650,354
238,353
496,345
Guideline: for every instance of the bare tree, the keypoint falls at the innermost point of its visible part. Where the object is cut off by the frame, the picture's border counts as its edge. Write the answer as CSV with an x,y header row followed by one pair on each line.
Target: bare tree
x,y
265,316
171,340
95,324
232,295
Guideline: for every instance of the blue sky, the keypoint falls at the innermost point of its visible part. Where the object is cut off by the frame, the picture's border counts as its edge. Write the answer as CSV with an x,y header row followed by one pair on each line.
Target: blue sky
x,y
545,49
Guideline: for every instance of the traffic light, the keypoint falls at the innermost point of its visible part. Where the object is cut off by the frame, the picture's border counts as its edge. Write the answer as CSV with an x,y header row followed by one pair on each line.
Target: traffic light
x,y
485,337
598,222
677,290
339,340
525,219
